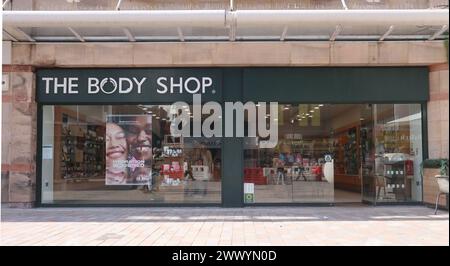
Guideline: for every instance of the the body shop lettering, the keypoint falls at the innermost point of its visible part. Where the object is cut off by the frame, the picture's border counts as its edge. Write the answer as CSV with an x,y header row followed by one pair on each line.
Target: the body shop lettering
x,y
61,85
125,85
191,85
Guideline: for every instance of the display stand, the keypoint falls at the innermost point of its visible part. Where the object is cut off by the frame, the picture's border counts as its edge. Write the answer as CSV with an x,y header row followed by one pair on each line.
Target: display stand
x,y
173,159
397,179
347,158
79,147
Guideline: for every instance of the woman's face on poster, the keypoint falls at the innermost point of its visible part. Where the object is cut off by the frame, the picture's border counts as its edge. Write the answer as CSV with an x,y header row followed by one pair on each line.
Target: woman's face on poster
x,y
116,143
139,137
116,152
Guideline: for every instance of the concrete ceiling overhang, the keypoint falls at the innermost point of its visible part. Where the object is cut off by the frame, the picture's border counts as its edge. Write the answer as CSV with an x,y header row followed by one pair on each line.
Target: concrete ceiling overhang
x,y
225,25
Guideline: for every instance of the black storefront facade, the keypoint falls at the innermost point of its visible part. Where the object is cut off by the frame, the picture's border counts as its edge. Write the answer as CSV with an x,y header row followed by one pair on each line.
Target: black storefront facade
x,y
345,135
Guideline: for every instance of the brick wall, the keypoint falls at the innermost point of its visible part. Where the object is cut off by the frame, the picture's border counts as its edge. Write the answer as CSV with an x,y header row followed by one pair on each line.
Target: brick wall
x,y
19,107
19,137
438,112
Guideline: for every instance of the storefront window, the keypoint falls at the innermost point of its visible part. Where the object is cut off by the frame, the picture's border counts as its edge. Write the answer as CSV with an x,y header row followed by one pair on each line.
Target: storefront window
x,y
125,154
338,153
397,144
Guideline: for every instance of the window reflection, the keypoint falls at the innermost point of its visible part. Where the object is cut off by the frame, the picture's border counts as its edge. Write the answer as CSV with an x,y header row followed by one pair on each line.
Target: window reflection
x,y
339,153
120,154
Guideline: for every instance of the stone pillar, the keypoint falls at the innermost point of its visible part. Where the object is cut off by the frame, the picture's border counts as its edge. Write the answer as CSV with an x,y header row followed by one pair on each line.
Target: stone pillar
x,y
19,112
438,112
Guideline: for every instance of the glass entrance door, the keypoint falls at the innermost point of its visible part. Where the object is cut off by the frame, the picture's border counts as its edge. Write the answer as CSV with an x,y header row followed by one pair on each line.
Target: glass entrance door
x,y
391,170
317,158
339,153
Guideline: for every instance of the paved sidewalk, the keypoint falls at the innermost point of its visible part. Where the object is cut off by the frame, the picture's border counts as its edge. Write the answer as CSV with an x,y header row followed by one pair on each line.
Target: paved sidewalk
x,y
355,225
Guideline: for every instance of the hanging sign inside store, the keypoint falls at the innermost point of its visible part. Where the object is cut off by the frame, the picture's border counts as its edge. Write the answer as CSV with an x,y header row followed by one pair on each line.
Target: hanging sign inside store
x,y
127,85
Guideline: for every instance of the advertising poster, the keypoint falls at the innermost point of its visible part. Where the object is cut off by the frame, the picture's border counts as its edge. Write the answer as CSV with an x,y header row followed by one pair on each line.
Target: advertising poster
x,y
128,150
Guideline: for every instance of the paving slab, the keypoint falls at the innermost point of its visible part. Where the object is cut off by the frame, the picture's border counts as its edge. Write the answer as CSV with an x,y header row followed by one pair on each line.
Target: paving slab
x,y
265,226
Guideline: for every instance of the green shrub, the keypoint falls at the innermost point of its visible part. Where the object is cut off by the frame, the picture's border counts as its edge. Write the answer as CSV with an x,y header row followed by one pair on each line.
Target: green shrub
x,y
446,46
441,164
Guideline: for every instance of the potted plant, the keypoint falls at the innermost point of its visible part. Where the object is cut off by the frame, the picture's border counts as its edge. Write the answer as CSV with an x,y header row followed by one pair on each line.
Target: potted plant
x,y
446,45
430,168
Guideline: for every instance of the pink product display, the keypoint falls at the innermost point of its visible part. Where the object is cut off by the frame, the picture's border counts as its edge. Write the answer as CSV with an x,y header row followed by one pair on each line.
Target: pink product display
x,y
305,161
176,166
298,159
166,167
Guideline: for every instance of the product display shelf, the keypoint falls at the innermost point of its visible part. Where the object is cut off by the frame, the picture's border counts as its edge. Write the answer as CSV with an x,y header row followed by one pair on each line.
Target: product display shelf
x,y
397,179
347,159
69,166
91,163
93,155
